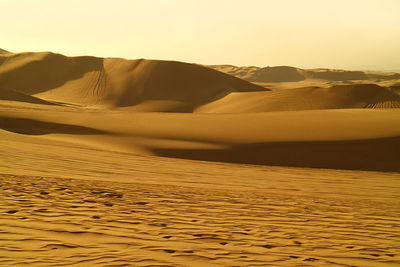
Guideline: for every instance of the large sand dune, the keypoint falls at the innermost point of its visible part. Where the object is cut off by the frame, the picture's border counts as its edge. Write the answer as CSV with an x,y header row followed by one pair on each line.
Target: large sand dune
x,y
116,82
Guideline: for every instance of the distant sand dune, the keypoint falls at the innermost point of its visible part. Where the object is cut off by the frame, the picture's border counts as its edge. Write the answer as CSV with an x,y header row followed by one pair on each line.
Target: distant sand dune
x,y
292,74
267,74
334,97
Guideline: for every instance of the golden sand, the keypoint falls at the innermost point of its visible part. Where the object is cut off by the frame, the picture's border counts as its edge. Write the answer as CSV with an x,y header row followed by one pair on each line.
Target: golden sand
x,y
159,163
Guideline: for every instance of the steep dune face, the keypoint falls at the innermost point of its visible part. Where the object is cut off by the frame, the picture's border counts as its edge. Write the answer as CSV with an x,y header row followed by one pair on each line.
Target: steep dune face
x,y
115,82
335,97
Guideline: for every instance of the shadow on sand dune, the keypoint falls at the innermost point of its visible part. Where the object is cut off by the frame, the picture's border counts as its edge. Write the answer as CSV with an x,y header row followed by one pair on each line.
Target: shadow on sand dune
x,y
11,95
372,154
36,127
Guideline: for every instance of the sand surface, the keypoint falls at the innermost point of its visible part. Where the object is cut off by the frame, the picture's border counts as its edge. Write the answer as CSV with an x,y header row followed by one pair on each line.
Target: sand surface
x,y
159,163
67,204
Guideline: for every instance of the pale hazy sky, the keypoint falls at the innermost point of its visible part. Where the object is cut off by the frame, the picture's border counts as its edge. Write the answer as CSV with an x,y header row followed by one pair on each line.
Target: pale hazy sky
x,y
351,34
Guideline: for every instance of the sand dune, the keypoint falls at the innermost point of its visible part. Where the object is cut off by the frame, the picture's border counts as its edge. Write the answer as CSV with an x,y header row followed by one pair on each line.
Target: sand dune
x,y
167,86
344,139
304,127
335,75
114,208
12,95
139,160
2,51
116,82
267,74
292,74
334,97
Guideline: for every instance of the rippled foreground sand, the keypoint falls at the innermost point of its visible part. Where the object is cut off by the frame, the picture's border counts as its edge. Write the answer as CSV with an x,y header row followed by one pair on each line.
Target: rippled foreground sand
x,y
68,205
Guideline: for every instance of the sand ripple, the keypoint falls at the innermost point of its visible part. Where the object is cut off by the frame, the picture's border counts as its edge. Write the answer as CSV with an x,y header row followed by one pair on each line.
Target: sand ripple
x,y
63,222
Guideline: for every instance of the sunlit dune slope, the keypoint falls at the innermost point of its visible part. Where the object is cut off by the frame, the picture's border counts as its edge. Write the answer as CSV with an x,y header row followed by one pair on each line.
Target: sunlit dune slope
x,y
335,97
116,82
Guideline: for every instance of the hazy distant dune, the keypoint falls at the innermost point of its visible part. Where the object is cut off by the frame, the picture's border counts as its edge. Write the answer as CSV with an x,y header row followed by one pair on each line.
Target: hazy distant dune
x,y
292,74
334,97
267,74
335,75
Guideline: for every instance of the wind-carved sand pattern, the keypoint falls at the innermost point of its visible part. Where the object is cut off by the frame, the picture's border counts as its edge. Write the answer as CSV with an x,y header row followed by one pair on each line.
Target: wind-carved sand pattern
x,y
52,221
